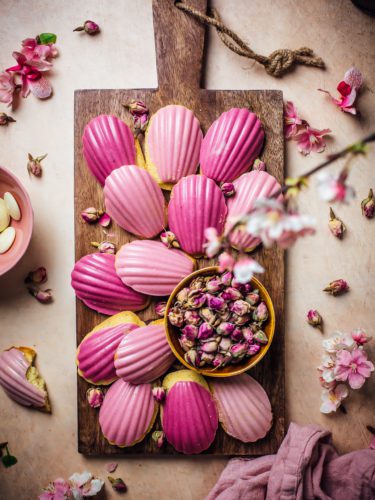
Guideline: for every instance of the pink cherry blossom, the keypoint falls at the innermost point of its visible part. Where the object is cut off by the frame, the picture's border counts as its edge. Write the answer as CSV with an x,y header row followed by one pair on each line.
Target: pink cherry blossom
x,y
38,55
337,342
291,120
348,89
58,490
7,88
245,268
327,368
333,188
311,140
31,76
331,398
360,336
353,367
226,262
214,243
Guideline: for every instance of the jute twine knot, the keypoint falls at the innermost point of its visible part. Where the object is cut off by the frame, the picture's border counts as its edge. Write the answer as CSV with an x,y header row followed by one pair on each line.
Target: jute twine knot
x,y
276,64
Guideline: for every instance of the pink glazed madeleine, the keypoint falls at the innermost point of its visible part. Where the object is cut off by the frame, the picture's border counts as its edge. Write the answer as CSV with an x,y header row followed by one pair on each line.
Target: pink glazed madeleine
x,y
231,145
96,283
248,189
135,201
196,203
150,267
128,413
108,143
173,140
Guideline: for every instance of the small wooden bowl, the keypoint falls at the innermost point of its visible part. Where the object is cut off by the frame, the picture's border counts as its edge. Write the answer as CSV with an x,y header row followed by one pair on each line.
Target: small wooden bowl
x,y
229,370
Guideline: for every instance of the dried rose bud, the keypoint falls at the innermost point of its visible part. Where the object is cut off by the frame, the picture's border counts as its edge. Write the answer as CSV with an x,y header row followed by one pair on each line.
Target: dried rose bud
x,y
117,484
104,246
225,344
223,316
314,319
159,393
190,332
34,165
198,284
205,331
95,397
226,278
215,303
104,220
240,307
227,189
176,317
159,438
192,357
169,239
260,337
196,299
240,320
136,107
238,350
218,360
91,214
244,288
207,357
213,285
43,296
5,119
337,287
236,335
89,27
253,297
261,313
207,315
368,205
225,328
192,318
160,308
253,349
209,347
259,165
185,343
360,336
247,334
38,276
231,293
336,225
182,295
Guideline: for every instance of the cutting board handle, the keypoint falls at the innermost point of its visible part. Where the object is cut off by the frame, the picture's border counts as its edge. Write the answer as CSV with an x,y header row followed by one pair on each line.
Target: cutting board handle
x,y
179,42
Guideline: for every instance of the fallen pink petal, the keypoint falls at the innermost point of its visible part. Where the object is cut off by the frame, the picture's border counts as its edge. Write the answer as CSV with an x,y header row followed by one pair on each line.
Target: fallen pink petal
x,y
311,140
111,467
291,120
104,220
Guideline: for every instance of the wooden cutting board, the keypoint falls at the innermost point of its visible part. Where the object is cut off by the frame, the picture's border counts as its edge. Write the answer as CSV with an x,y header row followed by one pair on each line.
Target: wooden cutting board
x,y
179,51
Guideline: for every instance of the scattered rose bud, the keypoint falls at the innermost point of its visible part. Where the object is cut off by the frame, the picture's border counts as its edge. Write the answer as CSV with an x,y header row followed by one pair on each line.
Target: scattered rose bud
x,y
215,303
240,307
368,205
314,319
360,336
37,277
261,312
159,393
104,220
260,337
159,438
43,296
160,308
190,332
111,467
205,331
5,119
169,239
95,398
104,247
253,349
227,189
259,165
34,165
91,214
140,114
117,484
225,328
337,287
336,225
89,27
192,317
236,335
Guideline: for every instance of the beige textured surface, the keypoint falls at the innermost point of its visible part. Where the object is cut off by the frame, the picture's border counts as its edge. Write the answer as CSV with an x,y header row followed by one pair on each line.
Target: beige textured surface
x,y
123,56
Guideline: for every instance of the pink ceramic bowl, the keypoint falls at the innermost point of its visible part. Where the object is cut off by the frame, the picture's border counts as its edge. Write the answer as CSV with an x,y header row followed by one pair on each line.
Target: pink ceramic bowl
x,y
24,227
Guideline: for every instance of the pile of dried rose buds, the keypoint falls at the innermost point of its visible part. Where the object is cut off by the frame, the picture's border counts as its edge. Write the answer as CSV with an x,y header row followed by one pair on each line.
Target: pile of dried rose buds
x,y
220,321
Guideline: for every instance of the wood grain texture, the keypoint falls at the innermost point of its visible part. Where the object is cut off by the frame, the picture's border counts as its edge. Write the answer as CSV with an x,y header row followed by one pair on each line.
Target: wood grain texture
x,y
179,47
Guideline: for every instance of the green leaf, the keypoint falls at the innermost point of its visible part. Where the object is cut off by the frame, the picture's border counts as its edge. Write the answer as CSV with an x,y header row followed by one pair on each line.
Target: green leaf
x,y
358,148
46,38
8,460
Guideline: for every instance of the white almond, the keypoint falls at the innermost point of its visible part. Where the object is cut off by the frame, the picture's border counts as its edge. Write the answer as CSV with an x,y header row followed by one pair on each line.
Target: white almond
x,y
7,238
4,215
13,207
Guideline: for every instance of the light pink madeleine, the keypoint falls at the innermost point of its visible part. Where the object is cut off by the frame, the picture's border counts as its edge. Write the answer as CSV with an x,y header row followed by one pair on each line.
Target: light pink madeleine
x,y
196,203
189,417
244,408
248,189
128,413
96,283
144,355
108,143
135,201
173,142
96,353
15,364
231,145
152,268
